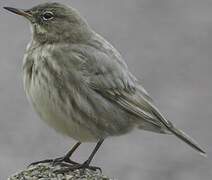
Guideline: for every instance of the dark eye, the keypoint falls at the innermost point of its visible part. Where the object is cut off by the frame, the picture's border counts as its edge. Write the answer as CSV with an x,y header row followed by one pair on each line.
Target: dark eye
x,y
47,16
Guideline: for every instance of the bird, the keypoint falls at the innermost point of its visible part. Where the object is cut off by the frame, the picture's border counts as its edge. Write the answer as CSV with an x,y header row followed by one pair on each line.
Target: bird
x,y
81,86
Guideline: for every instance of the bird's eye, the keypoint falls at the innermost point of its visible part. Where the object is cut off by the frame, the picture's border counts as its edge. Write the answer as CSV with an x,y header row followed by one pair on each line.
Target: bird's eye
x,y
47,16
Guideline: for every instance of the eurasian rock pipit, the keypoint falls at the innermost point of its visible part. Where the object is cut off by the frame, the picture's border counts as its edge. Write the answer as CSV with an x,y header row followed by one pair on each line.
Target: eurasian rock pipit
x,y
80,85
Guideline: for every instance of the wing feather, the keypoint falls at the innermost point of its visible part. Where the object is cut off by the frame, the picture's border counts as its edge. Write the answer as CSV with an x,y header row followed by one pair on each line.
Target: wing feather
x,y
112,79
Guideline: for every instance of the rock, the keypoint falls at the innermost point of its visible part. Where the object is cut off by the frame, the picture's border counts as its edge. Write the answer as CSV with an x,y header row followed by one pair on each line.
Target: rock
x,y
45,171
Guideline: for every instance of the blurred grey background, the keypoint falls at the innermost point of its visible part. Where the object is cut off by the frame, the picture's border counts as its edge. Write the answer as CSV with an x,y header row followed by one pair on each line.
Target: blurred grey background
x,y
167,44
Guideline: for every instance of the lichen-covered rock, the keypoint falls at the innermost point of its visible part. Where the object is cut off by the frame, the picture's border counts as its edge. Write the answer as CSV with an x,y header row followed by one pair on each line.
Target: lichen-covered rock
x,y
47,172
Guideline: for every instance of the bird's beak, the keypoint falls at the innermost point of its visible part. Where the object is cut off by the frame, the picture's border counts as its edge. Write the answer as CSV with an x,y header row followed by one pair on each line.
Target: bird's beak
x,y
21,12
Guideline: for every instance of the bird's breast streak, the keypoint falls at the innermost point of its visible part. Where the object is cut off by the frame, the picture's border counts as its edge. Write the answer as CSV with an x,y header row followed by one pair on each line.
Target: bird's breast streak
x,y
44,103
44,96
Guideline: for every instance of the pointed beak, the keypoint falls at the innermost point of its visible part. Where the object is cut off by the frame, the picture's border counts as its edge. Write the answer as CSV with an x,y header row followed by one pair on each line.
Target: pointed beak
x,y
20,12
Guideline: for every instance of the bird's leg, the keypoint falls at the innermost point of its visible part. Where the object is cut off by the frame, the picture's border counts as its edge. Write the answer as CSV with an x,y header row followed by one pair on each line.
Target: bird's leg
x,y
86,164
62,160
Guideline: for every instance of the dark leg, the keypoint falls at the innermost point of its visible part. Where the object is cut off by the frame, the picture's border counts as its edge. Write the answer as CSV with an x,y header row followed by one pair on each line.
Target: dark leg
x,y
86,164
65,159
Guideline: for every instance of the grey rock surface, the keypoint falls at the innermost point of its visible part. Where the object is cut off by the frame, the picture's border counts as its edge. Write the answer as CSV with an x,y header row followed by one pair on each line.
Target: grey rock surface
x,y
47,172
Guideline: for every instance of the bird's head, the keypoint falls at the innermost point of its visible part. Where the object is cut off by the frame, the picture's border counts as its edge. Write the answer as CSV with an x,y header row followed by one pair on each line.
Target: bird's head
x,y
54,22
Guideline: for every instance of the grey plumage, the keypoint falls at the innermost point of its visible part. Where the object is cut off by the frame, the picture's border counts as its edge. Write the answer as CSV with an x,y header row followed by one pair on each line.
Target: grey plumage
x,y
80,85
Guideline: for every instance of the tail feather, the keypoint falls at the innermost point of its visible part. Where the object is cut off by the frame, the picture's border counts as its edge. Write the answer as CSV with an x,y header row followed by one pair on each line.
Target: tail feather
x,y
168,126
188,140
180,134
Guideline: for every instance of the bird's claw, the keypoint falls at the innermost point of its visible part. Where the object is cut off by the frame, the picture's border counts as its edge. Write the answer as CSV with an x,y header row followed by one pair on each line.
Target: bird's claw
x,y
82,167
41,162
63,161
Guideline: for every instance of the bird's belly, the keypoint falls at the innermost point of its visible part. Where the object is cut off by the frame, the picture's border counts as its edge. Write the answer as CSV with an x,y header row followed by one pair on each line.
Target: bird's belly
x,y
46,104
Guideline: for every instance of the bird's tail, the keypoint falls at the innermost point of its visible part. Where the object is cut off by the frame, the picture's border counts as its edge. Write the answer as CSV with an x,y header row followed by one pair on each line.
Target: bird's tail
x,y
188,140
180,134
170,127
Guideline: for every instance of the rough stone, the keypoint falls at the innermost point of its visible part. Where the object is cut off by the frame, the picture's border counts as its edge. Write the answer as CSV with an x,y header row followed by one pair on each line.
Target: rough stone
x,y
46,171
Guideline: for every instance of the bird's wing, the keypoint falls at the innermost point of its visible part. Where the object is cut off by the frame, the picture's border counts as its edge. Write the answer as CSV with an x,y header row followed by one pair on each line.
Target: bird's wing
x,y
111,78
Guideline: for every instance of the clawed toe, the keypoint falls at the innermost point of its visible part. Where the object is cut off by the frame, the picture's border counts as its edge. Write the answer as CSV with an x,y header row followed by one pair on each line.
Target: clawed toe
x,y
78,167
41,162
63,161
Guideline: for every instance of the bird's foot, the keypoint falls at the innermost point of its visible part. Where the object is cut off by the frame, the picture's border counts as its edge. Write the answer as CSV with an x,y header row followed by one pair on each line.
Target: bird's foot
x,y
64,161
41,162
82,167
